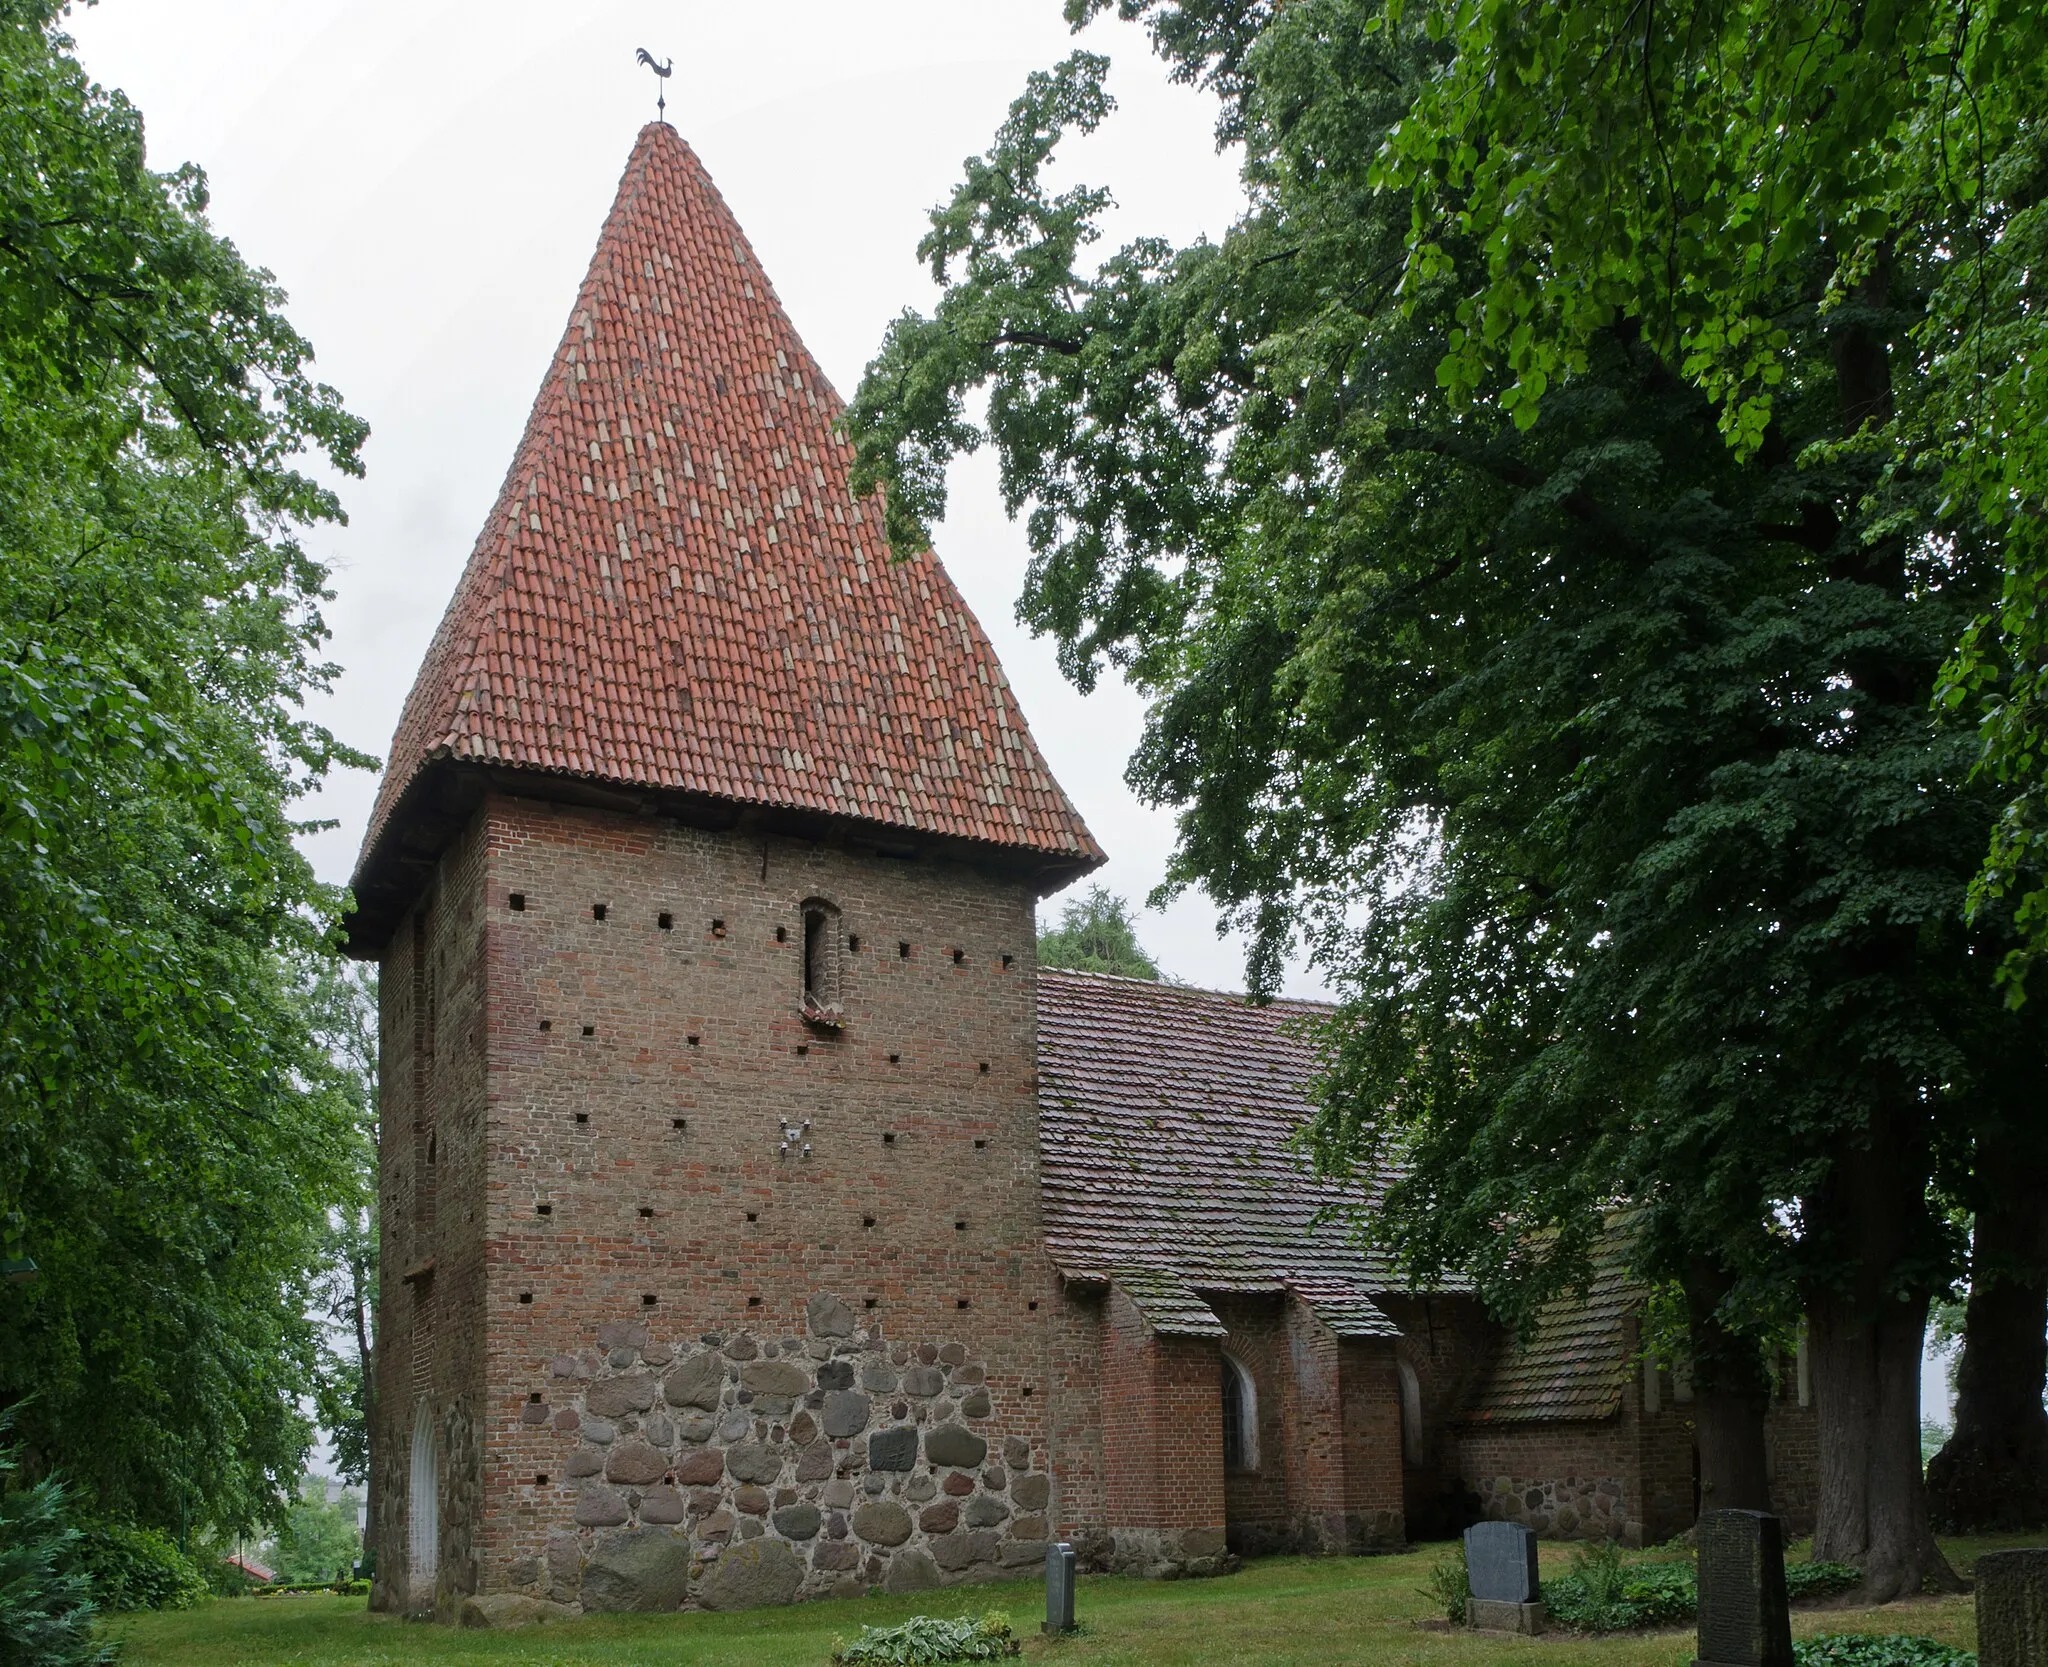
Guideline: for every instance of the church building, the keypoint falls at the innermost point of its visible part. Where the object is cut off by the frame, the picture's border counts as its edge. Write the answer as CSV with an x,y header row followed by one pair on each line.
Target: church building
x,y
759,1220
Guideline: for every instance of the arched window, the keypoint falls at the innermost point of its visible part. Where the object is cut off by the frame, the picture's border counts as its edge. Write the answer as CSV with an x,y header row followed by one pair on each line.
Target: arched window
x,y
423,1509
1240,1417
1411,1414
821,963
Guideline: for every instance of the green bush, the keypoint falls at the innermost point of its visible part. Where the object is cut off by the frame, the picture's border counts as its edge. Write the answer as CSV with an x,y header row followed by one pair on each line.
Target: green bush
x,y
923,1641
139,1568
1607,1593
1879,1650
1819,1580
1448,1584
46,1604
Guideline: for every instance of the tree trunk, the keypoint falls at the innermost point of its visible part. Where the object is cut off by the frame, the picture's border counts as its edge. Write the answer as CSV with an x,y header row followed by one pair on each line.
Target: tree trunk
x,y
1731,1394
1992,1476
1865,1324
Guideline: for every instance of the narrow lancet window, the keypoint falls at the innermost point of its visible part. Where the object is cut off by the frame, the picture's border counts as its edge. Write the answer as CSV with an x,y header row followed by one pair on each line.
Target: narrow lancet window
x,y
822,947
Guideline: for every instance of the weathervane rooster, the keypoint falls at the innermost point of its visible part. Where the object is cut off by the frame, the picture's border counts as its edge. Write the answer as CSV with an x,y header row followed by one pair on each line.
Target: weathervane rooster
x,y
664,70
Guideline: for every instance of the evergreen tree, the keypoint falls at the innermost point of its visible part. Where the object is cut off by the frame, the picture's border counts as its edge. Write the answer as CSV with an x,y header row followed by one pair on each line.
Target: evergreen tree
x,y
1096,934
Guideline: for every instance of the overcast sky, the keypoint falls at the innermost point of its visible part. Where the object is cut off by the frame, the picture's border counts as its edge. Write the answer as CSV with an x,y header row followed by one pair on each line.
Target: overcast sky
x,y
427,179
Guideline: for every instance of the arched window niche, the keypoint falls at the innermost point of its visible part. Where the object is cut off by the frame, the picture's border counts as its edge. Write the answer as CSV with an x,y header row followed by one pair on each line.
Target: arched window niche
x,y
1411,1414
823,945
423,1509
1240,1416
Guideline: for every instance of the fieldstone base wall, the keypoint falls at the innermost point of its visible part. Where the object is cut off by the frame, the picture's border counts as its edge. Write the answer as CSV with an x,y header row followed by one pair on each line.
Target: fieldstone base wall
x,y
1576,1507
731,1471
1166,1553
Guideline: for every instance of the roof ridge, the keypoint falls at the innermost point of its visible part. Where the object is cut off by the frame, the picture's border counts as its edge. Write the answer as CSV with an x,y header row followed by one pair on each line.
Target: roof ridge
x,y
1186,988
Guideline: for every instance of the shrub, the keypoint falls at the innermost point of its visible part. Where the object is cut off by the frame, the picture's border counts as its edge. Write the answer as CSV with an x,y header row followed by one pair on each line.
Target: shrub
x,y
1448,1584
1607,1593
923,1641
139,1568
1819,1580
1879,1650
46,1605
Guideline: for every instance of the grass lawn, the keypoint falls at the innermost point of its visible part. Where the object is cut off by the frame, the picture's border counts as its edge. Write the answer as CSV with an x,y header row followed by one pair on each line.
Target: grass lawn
x,y
1278,1610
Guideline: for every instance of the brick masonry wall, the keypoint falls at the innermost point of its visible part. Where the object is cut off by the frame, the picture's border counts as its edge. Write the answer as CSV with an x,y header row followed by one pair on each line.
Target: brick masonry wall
x,y
1792,1455
1374,1516
1566,1480
1162,1446
1448,1342
683,1050
434,1293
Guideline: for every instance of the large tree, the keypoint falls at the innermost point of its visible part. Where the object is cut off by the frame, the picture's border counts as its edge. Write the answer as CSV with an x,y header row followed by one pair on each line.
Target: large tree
x,y
171,1132
1689,165
1595,757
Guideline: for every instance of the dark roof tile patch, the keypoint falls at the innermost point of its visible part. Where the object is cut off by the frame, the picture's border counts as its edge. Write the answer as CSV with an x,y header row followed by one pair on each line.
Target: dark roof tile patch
x,y
1165,1116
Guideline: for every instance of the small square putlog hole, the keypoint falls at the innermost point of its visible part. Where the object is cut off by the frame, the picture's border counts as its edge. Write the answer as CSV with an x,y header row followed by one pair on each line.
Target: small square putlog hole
x,y
543,1209
583,1117
903,952
541,1480
718,928
647,1301
526,1296
646,1213
679,1123
517,901
666,921
598,911
590,1030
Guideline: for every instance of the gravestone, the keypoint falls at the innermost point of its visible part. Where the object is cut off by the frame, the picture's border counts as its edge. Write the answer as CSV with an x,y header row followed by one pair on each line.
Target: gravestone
x,y
1500,1566
2012,1608
1059,1588
1745,1616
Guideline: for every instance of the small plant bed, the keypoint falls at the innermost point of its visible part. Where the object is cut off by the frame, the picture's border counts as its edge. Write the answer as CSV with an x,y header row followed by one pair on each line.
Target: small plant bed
x,y
924,1641
1879,1649
1607,1592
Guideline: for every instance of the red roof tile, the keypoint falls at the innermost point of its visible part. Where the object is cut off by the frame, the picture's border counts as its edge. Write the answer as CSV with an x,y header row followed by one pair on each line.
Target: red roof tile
x,y
677,590
1165,1121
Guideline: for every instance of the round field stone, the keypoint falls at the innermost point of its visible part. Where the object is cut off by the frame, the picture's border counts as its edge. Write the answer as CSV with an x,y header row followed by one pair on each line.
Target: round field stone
x,y
1016,1452
911,1570
597,1506
742,1348
1030,1493
827,1316
836,1374
877,1377
954,1445
750,1501
775,1377
661,1505
700,1468
984,1512
750,1461
635,1464
882,1522
751,1576
814,1463
976,1405
615,1397
923,1380
585,1461
941,1518
892,1449
846,1413
798,1522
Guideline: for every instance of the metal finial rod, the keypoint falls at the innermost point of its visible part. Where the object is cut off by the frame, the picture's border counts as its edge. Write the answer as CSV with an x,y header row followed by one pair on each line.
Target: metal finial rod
x,y
663,70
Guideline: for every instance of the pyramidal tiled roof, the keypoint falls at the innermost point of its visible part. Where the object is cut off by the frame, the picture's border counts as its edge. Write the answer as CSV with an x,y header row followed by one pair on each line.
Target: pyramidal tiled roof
x,y
676,589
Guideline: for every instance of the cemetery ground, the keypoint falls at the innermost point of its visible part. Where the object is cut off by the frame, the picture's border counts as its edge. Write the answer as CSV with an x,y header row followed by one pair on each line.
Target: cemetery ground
x,y
1285,1611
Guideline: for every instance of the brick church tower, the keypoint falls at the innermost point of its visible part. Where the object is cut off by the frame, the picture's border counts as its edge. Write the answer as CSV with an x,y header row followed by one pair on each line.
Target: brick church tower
x,y
702,880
